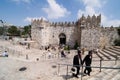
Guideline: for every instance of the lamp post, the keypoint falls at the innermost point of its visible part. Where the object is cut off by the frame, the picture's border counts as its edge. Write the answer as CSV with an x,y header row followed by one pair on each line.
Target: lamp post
x,y
81,27
3,29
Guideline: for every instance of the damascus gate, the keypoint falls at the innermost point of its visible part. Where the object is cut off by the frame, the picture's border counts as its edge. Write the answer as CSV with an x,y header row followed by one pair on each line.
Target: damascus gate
x,y
86,31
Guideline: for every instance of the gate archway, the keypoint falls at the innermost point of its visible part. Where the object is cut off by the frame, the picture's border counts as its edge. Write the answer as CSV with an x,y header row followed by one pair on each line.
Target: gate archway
x,y
62,38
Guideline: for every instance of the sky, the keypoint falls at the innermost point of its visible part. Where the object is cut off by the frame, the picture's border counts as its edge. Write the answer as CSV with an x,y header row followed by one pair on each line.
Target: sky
x,y
20,12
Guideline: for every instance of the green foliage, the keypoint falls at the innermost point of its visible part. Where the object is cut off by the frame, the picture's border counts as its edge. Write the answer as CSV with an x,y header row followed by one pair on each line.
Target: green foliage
x,y
117,42
13,31
76,45
67,47
118,30
27,30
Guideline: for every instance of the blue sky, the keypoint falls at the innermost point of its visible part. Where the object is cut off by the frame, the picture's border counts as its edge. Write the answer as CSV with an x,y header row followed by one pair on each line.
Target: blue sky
x,y
20,12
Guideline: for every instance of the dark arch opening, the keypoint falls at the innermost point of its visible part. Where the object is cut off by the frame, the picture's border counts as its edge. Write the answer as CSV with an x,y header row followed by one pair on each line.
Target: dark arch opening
x,y
62,39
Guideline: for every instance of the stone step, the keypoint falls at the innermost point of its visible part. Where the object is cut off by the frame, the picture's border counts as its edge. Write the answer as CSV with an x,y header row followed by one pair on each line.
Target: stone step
x,y
92,74
99,56
114,51
104,55
118,47
107,74
110,75
112,56
116,77
114,48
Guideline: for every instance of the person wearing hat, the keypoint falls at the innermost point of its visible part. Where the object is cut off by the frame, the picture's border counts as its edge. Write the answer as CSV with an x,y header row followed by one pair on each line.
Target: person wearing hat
x,y
88,61
77,60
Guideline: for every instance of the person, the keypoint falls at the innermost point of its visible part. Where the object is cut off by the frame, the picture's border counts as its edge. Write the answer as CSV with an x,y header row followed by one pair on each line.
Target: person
x,y
63,54
5,54
77,60
28,45
83,51
88,61
49,54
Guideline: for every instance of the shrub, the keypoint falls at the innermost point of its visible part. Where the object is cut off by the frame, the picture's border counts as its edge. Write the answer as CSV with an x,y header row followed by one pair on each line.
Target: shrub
x,y
76,45
67,47
117,42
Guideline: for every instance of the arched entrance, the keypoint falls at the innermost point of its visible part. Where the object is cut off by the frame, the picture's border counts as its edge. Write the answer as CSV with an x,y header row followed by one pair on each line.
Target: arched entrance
x,y
62,38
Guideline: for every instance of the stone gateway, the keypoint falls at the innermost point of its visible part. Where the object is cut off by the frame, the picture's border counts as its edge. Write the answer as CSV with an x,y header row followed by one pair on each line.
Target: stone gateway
x,y
86,31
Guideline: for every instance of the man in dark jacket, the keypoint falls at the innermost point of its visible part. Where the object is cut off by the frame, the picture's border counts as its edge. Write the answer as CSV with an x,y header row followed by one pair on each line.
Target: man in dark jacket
x,y
76,62
88,60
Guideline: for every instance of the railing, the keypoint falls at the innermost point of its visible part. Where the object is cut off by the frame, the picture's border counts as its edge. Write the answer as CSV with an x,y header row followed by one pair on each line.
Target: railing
x,y
108,60
100,67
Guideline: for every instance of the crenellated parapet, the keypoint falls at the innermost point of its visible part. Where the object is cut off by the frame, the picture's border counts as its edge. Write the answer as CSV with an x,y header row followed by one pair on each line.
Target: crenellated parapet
x,y
63,24
40,23
90,21
108,28
86,22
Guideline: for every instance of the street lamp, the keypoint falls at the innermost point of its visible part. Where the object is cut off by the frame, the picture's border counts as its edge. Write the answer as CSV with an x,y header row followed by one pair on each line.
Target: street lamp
x,y
1,21
3,29
81,27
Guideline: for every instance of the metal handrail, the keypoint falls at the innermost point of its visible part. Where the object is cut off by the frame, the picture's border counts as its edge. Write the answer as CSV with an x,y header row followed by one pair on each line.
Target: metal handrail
x,y
91,66
85,66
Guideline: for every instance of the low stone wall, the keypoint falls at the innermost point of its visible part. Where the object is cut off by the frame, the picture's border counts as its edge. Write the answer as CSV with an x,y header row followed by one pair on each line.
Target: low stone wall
x,y
11,51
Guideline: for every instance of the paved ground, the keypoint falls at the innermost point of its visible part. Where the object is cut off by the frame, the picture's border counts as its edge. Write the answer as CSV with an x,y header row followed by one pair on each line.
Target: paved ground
x,y
43,69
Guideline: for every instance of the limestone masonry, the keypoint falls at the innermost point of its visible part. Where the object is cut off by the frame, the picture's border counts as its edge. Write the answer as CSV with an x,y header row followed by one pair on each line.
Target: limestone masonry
x,y
86,31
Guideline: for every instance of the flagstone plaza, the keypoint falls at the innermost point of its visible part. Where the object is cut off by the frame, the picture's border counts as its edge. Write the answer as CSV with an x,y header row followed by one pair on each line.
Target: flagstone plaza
x,y
40,67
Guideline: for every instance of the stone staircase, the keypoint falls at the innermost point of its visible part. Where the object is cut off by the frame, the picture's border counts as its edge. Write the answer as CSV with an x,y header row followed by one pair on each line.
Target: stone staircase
x,y
110,53
107,74
107,56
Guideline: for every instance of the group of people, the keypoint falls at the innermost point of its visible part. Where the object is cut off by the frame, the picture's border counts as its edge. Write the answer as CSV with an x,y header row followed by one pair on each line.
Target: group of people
x,y
77,62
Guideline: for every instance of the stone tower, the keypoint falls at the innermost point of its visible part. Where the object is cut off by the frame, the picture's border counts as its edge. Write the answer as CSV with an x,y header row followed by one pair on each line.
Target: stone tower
x,y
87,31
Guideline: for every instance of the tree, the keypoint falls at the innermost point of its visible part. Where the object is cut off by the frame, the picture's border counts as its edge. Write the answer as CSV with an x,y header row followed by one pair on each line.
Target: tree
x,y
117,41
76,45
13,31
118,30
27,30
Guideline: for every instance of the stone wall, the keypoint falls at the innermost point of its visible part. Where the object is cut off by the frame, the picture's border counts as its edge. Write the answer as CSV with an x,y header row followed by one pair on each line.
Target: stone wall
x,y
98,37
90,38
46,35
86,30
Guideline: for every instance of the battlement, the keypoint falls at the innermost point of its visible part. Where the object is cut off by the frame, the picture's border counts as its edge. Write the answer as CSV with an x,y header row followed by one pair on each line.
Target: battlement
x,y
39,21
87,22
63,23
90,21
108,28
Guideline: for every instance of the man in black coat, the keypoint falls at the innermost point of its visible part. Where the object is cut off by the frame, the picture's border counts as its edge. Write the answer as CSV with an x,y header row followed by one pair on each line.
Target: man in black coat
x,y
76,62
88,61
